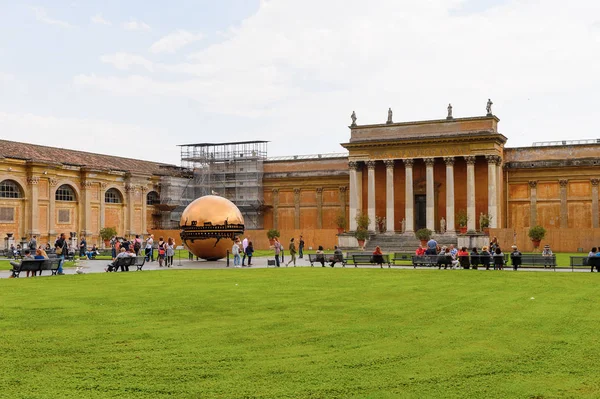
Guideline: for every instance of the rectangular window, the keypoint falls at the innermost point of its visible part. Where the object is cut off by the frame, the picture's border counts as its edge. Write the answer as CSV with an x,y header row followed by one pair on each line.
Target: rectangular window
x,y
7,215
64,216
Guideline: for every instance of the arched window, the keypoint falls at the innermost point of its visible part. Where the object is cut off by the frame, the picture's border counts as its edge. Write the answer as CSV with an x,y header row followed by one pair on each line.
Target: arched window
x,y
10,189
152,198
65,193
112,196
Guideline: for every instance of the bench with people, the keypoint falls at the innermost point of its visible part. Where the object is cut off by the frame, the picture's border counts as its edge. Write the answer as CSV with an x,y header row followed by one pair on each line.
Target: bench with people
x,y
124,260
33,264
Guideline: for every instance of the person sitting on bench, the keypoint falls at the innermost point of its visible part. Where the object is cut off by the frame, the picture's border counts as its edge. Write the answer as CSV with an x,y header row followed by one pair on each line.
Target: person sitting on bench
x,y
112,266
91,254
378,256
337,256
320,255
25,257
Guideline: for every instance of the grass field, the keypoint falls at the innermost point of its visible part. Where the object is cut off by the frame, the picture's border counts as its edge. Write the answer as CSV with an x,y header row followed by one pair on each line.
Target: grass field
x,y
301,333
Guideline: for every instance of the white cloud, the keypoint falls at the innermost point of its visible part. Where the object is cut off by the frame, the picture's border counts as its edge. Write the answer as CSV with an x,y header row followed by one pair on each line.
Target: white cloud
x,y
42,16
134,25
125,61
175,41
289,63
99,20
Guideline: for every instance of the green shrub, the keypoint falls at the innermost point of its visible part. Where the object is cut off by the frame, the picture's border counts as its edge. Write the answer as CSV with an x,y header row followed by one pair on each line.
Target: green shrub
x,y
423,234
107,233
271,234
537,233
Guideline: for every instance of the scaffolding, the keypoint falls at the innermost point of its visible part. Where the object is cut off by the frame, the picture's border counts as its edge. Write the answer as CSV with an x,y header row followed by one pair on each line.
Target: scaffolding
x,y
231,170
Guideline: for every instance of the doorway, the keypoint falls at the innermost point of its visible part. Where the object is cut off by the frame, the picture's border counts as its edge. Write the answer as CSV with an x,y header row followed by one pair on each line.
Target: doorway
x,y
420,211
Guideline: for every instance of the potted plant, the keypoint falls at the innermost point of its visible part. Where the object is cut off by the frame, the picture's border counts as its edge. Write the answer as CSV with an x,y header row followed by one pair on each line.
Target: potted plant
x,y
106,234
271,234
341,222
362,221
424,235
361,235
484,223
537,234
461,219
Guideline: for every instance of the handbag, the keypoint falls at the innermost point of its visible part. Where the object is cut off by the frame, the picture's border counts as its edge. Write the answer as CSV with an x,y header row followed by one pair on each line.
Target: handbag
x,y
58,251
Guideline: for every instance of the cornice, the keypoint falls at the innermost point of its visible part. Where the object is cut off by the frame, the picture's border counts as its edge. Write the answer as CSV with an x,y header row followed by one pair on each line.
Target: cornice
x,y
467,138
425,122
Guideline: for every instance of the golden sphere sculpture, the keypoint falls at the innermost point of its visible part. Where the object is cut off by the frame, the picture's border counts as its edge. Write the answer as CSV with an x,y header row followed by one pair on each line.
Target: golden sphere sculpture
x,y
208,226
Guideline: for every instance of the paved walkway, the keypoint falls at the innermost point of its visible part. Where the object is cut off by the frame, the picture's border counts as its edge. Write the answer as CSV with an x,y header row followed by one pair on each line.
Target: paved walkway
x,y
97,266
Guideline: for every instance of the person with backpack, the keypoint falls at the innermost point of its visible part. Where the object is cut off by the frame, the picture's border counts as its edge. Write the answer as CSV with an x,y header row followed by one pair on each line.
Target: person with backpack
x,y
161,252
137,245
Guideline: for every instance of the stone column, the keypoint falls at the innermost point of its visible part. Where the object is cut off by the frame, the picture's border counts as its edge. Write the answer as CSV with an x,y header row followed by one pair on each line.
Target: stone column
x,y
275,208
130,190
564,210
103,187
86,222
409,198
532,203
471,193
389,195
297,208
450,227
52,209
353,166
143,190
371,193
319,207
492,187
430,210
595,202
32,182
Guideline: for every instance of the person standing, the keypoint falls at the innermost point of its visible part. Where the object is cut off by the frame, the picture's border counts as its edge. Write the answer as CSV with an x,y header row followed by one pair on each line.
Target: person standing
x,y
591,254
82,247
277,248
149,250
161,252
244,247
431,247
515,257
61,248
248,252
170,251
301,247
235,250
33,244
292,248
137,244
113,247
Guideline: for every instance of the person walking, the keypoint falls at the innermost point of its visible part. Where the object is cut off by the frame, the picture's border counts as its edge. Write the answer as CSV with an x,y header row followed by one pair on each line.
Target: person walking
x,y
235,250
170,251
82,247
244,246
61,248
301,247
161,252
149,250
248,252
137,244
277,247
292,249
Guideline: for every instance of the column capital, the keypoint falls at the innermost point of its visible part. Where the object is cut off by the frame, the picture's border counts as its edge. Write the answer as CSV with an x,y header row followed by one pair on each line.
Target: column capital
x,y
129,188
103,185
429,161
595,182
343,189
296,191
533,183
370,164
563,182
493,159
389,163
53,182
319,190
33,180
470,159
449,161
86,184
275,191
408,162
143,189
353,165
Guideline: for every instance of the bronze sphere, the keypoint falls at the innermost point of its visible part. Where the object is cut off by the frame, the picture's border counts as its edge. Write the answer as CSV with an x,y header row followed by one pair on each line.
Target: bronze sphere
x,y
208,226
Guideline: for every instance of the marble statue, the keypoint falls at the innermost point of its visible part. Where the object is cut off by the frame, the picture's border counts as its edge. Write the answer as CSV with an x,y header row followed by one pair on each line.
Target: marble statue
x,y
443,225
481,221
353,116
488,107
449,111
389,119
403,224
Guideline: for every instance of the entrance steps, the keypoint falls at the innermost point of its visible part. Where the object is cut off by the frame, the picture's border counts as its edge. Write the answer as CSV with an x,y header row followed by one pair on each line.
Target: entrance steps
x,y
405,243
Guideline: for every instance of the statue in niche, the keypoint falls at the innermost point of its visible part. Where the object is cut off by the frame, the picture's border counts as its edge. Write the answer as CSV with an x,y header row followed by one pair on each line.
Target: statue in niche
x,y
390,113
353,117
443,225
488,107
403,225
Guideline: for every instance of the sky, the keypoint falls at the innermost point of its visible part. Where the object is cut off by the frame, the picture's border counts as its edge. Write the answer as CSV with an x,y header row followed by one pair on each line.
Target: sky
x,y
136,78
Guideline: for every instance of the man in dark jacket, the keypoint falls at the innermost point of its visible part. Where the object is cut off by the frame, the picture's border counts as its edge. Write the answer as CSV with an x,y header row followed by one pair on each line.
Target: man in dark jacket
x,y
515,257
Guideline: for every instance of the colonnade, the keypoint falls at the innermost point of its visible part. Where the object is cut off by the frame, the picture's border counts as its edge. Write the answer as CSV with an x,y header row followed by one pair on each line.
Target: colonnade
x,y
493,161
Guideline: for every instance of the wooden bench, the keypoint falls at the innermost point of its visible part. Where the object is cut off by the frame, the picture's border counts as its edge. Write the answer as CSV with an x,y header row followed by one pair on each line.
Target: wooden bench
x,y
139,262
36,265
402,256
425,260
584,261
123,263
537,260
370,259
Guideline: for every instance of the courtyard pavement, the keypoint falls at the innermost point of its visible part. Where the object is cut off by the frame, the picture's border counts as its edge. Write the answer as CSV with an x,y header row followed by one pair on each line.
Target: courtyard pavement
x,y
97,266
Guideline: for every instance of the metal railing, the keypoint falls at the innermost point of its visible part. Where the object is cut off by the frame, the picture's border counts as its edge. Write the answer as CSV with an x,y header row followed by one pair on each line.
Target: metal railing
x,y
565,142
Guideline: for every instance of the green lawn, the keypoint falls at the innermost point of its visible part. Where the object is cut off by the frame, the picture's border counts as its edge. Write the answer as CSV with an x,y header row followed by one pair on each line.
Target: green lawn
x,y
301,333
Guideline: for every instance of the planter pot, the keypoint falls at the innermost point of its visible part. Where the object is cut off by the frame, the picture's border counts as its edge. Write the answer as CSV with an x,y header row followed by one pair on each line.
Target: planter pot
x,y
361,243
106,243
271,241
486,231
340,230
423,243
536,243
462,229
